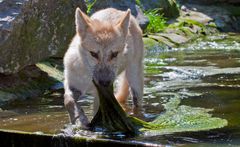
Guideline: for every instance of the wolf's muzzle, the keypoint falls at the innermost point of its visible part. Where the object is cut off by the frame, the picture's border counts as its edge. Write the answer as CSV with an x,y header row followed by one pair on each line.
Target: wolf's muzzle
x,y
103,75
104,83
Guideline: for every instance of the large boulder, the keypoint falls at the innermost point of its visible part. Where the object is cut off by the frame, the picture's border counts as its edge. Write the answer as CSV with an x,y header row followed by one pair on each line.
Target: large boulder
x,y
122,5
33,30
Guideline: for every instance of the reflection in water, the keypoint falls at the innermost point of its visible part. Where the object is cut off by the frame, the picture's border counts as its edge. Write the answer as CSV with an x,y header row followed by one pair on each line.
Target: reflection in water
x,y
205,74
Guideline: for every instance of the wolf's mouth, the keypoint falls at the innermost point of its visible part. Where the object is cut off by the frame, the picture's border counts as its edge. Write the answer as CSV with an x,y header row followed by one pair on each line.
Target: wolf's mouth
x,y
104,83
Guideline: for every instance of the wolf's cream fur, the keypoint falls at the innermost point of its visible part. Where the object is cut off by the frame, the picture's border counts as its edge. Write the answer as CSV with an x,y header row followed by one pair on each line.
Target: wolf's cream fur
x,y
106,45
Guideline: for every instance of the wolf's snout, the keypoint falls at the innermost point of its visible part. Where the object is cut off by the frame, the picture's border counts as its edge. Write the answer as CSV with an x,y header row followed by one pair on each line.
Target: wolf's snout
x,y
105,83
103,75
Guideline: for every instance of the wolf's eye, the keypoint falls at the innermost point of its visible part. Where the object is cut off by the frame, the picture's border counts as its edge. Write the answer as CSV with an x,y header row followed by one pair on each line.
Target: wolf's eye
x,y
95,55
114,55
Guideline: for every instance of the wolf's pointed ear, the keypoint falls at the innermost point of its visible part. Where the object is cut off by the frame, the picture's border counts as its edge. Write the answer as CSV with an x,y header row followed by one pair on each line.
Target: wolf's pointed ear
x,y
123,24
82,22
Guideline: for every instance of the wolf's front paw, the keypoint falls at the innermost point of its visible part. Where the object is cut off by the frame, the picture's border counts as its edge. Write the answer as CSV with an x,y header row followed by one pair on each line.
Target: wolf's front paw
x,y
137,112
84,124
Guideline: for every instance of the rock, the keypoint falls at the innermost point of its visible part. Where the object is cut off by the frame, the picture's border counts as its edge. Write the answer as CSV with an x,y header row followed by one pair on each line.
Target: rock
x,y
149,43
143,21
184,8
236,24
33,30
234,1
162,40
223,16
178,39
6,97
220,23
197,16
7,114
122,5
170,8
32,81
195,29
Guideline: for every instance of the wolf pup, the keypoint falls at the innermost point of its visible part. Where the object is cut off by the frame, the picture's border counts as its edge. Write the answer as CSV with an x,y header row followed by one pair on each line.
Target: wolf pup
x,y
107,45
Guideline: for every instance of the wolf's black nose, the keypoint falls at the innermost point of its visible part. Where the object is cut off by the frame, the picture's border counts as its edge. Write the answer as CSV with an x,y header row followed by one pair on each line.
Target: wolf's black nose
x,y
104,83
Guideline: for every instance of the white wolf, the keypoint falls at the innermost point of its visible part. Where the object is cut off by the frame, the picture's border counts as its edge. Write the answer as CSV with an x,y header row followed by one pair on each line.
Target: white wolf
x,y
107,44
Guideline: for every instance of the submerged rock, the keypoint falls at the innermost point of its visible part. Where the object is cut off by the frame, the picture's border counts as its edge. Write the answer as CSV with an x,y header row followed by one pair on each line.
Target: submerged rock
x,y
32,81
33,30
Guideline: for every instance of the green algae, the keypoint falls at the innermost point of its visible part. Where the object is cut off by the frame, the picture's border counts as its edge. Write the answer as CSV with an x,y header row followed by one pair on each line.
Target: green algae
x,y
52,71
110,116
176,118
182,118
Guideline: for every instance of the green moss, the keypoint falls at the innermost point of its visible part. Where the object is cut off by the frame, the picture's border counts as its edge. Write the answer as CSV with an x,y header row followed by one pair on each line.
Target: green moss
x,y
186,31
162,40
212,24
194,22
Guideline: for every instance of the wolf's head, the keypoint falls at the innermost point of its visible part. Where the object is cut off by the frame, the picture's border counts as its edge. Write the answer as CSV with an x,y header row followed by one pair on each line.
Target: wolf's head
x,y
102,44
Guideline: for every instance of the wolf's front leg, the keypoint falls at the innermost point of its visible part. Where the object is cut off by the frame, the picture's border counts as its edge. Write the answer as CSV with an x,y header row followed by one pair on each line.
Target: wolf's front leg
x,y
76,113
134,74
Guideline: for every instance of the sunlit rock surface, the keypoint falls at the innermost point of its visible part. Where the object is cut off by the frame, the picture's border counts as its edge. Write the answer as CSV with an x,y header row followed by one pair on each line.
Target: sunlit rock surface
x,y
33,30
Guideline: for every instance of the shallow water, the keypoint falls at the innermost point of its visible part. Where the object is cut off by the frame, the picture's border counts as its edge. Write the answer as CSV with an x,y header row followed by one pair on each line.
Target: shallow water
x,y
204,74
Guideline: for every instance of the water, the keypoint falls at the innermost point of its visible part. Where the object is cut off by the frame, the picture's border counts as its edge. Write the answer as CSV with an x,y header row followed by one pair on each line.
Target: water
x,y
205,74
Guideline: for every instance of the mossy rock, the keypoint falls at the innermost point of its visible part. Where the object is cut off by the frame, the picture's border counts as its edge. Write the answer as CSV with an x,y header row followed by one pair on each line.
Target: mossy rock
x,y
173,37
163,40
150,44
